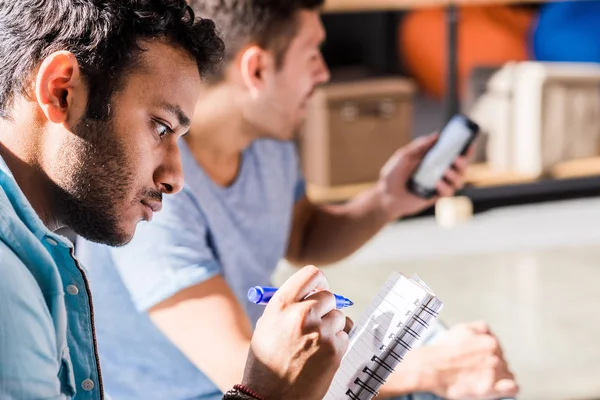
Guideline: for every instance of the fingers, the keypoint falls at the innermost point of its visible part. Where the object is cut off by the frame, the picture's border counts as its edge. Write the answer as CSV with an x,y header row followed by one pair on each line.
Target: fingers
x,y
321,303
334,321
461,164
444,189
454,179
349,325
342,342
301,284
506,388
478,327
504,385
470,153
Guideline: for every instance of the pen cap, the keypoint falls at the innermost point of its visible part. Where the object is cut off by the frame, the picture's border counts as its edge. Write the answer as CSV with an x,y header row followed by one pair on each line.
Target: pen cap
x,y
256,294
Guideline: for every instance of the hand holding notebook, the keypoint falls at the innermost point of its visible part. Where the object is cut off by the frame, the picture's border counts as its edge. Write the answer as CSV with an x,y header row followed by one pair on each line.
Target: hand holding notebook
x,y
455,367
399,315
464,362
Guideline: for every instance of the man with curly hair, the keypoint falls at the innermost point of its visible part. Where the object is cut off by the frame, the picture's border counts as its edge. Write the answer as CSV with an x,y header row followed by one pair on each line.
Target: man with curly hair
x,y
93,97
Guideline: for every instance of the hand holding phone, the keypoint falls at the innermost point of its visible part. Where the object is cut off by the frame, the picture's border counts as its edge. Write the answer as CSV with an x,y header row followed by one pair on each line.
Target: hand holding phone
x,y
454,141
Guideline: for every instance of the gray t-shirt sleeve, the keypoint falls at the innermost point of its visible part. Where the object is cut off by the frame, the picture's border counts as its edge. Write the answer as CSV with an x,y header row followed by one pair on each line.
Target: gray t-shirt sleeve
x,y
169,254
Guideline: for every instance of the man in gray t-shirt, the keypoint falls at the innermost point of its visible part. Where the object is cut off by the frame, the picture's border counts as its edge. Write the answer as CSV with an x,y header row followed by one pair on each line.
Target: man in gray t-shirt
x,y
242,209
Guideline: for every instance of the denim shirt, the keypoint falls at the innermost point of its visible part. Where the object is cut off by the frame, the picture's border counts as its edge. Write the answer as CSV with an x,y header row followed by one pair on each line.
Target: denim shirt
x,y
47,341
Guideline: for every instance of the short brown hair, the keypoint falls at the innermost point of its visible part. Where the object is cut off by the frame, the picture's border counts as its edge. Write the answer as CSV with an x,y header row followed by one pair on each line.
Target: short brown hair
x,y
271,24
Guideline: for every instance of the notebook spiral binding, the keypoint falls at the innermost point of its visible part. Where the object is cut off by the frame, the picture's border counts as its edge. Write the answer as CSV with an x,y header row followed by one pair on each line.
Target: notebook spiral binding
x,y
383,365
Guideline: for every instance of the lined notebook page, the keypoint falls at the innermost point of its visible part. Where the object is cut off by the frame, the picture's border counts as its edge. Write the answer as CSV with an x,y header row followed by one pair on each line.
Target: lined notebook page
x,y
389,313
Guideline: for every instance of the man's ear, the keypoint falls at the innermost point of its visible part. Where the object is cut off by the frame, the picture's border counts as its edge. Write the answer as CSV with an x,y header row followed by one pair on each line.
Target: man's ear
x,y
255,64
59,89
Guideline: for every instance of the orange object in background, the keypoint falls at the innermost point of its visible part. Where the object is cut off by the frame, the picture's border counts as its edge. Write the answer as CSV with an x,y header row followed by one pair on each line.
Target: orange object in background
x,y
491,35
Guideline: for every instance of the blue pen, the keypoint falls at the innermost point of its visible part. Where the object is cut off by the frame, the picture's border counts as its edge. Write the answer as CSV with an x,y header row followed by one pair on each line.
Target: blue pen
x,y
262,295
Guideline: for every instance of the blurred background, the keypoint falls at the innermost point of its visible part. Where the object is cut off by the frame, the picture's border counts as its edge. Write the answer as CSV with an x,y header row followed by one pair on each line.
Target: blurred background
x,y
519,247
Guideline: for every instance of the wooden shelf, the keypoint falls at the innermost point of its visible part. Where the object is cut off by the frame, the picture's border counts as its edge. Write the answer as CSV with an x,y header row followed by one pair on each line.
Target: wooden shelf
x,y
481,175
477,176
380,5
576,168
335,194
568,179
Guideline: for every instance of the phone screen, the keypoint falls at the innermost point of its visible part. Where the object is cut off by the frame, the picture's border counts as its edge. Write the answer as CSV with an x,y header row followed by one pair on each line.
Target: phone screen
x,y
444,152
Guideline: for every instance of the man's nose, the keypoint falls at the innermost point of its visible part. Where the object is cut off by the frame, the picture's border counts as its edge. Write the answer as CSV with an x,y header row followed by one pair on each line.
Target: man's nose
x,y
169,176
323,75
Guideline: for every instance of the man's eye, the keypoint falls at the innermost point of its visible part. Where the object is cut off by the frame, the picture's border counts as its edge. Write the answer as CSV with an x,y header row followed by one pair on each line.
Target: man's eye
x,y
161,129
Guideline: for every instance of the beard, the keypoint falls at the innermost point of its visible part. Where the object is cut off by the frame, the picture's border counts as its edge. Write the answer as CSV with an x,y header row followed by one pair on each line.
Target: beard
x,y
95,179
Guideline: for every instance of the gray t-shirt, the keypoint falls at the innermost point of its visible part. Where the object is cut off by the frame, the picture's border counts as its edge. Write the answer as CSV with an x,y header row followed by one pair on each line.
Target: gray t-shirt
x,y
240,232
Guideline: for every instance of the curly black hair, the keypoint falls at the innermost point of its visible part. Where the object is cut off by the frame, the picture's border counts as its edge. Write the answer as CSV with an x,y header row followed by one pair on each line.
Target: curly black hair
x,y
270,24
104,35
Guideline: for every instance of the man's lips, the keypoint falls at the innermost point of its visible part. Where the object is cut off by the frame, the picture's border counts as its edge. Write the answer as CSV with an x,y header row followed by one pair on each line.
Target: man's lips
x,y
155,206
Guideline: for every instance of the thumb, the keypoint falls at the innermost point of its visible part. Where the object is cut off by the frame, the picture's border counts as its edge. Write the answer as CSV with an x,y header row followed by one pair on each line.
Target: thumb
x,y
506,387
301,284
405,159
419,146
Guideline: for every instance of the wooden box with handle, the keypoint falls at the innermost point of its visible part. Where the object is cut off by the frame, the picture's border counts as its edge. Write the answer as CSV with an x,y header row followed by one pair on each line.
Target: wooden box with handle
x,y
352,129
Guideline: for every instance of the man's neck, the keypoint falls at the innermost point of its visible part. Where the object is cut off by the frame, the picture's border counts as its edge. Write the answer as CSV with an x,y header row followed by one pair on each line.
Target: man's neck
x,y
19,151
219,136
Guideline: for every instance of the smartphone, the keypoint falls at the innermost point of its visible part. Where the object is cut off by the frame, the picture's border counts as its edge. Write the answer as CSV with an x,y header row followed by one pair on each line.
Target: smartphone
x,y
455,139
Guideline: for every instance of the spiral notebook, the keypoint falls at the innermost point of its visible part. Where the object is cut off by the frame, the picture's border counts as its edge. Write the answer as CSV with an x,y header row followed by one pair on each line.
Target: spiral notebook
x,y
398,317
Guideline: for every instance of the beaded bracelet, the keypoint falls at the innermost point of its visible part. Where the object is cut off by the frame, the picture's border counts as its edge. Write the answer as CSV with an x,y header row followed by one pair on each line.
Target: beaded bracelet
x,y
241,392
235,394
247,391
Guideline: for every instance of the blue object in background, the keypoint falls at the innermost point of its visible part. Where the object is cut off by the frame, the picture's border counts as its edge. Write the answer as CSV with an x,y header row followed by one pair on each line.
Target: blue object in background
x,y
568,31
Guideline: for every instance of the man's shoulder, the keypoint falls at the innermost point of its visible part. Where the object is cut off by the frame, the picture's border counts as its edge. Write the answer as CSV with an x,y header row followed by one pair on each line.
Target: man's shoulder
x,y
19,289
29,365
16,277
8,213
18,222
8,259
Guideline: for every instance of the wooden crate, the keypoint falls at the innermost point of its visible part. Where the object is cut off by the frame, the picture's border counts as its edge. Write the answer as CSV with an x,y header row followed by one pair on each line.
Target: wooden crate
x,y
537,115
353,128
